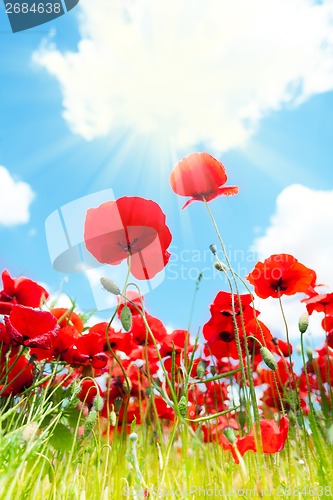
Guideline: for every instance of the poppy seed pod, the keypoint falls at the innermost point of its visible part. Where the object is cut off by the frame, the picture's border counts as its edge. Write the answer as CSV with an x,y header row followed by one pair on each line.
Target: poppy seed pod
x,y
268,358
303,322
110,286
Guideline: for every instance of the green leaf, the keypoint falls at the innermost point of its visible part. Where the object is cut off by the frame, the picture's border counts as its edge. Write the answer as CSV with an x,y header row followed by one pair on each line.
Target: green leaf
x,y
61,438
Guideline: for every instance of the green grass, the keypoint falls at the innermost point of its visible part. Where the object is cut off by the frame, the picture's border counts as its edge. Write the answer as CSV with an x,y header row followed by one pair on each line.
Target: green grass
x,y
46,454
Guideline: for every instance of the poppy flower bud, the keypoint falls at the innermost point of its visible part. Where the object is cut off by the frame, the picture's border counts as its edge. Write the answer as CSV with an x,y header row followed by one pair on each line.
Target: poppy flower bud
x,y
113,418
201,369
303,322
90,422
127,386
219,266
213,249
98,402
133,437
230,435
182,406
118,402
309,353
126,318
75,388
242,419
65,403
268,358
110,286
29,431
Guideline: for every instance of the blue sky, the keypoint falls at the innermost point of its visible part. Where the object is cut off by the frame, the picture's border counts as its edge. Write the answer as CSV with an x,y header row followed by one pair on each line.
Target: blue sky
x,y
77,119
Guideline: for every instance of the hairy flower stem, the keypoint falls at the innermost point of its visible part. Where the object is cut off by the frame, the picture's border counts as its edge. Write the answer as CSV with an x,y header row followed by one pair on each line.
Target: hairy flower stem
x,y
117,359
237,336
296,402
263,341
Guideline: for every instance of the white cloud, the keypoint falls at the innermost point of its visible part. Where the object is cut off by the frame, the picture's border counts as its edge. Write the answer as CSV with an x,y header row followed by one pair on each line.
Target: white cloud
x,y
270,314
301,226
191,70
15,199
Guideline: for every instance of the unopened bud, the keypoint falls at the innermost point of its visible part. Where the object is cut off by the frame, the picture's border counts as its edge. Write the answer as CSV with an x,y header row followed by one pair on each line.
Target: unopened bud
x,y
90,422
268,358
201,369
242,418
303,322
127,386
118,402
220,266
98,402
213,249
110,286
126,318
133,437
182,406
309,353
113,417
230,435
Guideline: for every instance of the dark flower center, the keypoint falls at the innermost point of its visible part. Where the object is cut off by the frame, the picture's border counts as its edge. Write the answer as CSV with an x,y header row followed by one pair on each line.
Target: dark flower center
x,y
225,336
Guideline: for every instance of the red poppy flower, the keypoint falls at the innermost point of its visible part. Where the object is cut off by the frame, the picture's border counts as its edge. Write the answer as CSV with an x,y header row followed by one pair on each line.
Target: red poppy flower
x,y
19,376
89,390
143,356
163,410
64,340
134,297
139,331
31,327
68,318
129,226
280,274
323,364
88,349
119,341
175,341
273,438
200,175
20,291
223,303
321,302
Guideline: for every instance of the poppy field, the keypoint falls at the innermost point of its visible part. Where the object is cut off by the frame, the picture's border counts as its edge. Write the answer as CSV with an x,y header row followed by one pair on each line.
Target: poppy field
x,y
127,409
